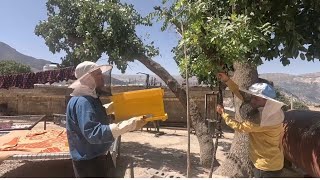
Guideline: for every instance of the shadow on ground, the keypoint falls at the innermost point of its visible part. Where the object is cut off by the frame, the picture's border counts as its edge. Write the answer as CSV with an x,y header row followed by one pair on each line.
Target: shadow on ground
x,y
42,169
147,156
54,169
225,146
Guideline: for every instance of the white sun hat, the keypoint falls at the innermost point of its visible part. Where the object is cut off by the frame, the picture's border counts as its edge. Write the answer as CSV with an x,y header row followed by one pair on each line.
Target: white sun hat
x,y
262,90
85,82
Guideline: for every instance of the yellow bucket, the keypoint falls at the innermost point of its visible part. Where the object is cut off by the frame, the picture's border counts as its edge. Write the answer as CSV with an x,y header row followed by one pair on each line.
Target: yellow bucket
x,y
137,103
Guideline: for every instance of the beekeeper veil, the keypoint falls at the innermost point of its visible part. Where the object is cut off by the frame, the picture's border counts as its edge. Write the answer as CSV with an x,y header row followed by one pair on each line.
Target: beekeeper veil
x,y
88,74
271,114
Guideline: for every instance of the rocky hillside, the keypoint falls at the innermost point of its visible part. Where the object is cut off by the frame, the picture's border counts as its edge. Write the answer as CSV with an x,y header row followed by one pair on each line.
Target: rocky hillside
x,y
141,79
304,87
9,53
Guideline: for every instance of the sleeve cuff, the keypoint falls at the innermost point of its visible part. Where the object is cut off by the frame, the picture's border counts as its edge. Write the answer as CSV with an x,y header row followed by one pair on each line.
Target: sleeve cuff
x,y
224,115
230,84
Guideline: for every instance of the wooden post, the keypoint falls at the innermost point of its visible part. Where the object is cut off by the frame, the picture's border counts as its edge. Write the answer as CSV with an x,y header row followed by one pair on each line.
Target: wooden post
x,y
188,110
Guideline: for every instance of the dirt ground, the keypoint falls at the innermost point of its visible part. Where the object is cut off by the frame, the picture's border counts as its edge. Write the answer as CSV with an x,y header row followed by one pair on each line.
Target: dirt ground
x,y
142,155
166,154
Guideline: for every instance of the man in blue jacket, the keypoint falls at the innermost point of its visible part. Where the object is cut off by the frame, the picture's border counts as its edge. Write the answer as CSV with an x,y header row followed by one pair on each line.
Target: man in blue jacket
x,y
89,131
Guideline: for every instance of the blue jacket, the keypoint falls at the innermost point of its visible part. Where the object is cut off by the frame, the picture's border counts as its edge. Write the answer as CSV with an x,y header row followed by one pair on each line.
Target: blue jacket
x,y
89,134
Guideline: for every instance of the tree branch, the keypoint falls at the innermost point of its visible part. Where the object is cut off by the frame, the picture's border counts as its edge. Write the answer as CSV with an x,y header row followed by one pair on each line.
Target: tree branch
x,y
172,83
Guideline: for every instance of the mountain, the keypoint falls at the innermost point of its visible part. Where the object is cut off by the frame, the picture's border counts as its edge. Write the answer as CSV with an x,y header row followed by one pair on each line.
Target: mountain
x,y
141,79
9,53
304,87
117,82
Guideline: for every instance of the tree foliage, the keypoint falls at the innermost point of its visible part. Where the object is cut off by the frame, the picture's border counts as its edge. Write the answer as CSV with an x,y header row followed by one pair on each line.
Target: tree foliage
x,y
219,33
85,30
11,67
222,34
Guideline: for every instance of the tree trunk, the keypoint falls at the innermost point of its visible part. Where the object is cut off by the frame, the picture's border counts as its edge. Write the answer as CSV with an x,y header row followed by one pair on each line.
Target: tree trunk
x,y
237,163
197,121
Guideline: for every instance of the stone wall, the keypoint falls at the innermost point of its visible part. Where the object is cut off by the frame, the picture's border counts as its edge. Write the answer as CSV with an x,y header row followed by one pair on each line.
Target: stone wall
x,y
50,100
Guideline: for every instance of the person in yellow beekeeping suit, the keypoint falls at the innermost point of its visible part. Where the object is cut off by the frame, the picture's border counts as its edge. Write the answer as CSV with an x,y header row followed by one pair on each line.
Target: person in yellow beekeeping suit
x,y
265,134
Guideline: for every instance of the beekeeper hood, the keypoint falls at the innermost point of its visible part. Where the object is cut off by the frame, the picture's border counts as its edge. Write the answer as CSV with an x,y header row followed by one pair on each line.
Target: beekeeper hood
x,y
85,85
271,113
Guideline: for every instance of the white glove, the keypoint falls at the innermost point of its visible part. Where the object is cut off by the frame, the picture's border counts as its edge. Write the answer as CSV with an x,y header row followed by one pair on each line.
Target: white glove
x,y
107,105
126,126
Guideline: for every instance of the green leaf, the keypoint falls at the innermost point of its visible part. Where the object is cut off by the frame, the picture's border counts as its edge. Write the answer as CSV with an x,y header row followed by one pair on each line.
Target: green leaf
x,y
285,61
215,32
12,67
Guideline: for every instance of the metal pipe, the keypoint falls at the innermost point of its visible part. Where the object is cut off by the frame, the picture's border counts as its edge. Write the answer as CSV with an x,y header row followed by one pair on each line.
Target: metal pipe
x,y
45,124
218,130
26,128
147,79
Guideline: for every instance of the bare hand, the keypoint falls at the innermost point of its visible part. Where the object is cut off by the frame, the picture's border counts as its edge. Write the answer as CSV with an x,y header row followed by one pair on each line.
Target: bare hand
x,y
220,109
223,77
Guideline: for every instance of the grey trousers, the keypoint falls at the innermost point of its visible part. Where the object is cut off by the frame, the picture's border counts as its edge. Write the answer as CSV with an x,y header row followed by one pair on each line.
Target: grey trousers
x,y
99,167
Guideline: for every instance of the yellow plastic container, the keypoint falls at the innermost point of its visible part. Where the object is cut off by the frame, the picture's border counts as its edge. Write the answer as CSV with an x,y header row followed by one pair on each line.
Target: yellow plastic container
x,y
137,103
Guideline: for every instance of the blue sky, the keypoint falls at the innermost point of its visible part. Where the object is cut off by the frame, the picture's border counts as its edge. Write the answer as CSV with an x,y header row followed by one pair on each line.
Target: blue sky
x,y
19,17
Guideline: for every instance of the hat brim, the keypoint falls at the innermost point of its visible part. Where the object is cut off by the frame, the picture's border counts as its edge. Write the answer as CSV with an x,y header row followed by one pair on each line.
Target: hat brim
x,y
260,95
103,68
